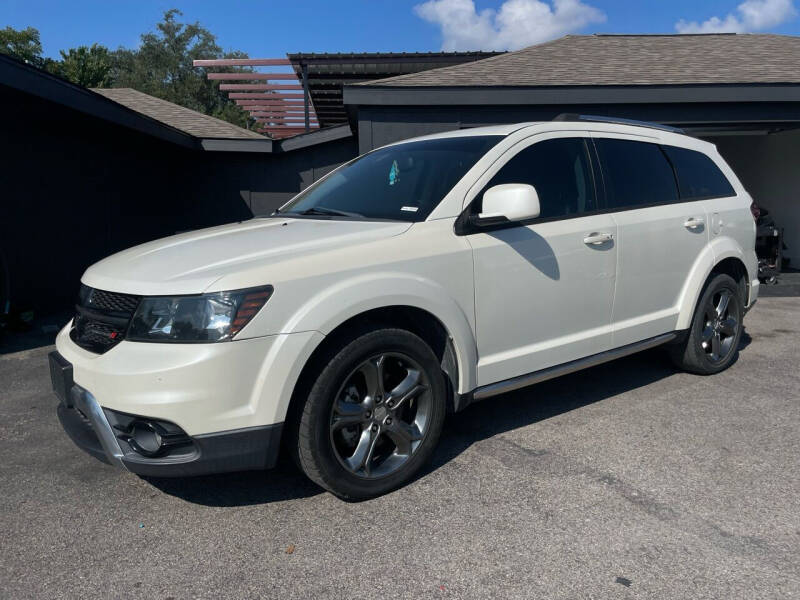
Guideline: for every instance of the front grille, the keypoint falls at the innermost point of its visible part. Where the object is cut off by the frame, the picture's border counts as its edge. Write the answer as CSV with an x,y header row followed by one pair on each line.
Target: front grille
x,y
113,302
102,319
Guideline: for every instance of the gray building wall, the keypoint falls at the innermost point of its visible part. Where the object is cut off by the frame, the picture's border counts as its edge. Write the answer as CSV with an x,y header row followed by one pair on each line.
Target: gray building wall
x,y
769,168
76,188
267,181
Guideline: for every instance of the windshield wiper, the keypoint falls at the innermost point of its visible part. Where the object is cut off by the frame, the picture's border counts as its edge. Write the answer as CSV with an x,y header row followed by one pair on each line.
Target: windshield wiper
x,y
324,210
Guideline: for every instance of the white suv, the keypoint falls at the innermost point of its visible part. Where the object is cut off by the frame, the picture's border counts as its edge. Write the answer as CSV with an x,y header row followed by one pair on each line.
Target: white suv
x,y
407,283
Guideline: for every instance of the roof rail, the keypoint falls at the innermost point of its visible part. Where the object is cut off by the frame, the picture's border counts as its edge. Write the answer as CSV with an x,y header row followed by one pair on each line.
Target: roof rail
x,y
617,120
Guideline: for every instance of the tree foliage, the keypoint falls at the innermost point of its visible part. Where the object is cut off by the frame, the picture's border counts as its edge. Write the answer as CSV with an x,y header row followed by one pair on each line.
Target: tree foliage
x,y
23,44
89,66
161,66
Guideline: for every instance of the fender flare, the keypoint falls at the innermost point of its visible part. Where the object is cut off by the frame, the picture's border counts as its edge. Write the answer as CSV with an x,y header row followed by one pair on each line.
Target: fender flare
x,y
715,251
351,297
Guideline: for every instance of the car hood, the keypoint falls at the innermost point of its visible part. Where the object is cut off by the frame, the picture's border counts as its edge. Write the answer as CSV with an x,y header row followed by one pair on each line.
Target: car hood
x,y
189,263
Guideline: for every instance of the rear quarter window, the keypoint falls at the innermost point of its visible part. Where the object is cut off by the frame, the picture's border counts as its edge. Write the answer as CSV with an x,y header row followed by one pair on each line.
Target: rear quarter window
x,y
698,176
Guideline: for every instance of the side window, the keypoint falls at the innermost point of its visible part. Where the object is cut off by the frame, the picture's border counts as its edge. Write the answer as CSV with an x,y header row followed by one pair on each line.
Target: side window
x,y
635,173
698,176
560,171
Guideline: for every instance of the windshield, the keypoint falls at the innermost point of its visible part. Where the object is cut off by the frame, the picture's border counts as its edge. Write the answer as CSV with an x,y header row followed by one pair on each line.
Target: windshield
x,y
404,182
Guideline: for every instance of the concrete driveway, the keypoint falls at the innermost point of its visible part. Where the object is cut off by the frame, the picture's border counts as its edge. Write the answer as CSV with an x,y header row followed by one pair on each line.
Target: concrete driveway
x,y
630,480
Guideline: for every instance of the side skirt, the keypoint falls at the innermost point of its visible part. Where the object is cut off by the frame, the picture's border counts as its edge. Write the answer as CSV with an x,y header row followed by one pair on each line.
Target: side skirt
x,y
521,381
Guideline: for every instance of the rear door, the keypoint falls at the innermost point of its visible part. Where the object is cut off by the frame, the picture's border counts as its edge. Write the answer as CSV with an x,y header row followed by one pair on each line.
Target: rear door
x,y
660,236
699,178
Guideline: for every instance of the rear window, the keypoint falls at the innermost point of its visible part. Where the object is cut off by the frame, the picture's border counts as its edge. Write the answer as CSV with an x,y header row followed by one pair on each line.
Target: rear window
x,y
635,173
698,176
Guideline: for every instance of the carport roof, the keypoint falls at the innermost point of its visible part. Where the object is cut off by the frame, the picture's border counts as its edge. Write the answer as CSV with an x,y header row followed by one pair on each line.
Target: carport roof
x,y
329,73
178,117
624,60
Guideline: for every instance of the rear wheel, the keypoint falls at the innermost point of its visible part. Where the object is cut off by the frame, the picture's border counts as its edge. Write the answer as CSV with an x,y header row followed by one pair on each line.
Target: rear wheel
x,y
373,415
713,339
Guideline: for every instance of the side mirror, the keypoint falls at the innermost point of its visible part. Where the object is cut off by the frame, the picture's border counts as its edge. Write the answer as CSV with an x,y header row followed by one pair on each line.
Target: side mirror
x,y
509,202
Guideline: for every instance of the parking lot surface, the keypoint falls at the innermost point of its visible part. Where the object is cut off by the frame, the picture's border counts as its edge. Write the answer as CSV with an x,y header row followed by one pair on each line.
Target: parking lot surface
x,y
630,480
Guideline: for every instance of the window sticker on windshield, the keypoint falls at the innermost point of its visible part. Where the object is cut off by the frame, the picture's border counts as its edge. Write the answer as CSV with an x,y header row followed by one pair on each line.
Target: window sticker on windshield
x,y
394,173
410,208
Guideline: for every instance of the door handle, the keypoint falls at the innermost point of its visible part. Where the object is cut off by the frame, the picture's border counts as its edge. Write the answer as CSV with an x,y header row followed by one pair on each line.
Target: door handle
x,y
693,222
595,239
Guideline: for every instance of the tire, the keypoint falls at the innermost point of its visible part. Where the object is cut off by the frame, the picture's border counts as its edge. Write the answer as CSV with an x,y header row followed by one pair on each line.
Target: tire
x,y
373,415
712,343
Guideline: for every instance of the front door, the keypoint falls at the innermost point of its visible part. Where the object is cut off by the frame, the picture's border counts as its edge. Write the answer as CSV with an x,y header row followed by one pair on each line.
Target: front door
x,y
544,289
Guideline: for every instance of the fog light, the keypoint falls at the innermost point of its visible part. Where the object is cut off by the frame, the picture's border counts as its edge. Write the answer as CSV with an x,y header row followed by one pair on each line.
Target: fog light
x,y
151,439
145,439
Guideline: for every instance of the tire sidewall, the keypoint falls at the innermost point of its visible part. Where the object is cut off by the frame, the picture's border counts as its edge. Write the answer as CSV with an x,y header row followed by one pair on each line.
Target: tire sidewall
x,y
315,420
701,360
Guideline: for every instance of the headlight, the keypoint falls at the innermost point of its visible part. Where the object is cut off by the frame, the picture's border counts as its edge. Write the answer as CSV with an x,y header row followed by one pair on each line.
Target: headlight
x,y
203,318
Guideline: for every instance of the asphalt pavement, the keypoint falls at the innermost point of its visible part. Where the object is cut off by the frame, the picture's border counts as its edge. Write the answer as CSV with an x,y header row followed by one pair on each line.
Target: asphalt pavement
x,y
630,480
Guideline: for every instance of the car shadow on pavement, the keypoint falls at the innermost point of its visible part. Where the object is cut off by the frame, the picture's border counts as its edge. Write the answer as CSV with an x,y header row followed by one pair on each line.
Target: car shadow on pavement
x,y
548,399
284,482
482,420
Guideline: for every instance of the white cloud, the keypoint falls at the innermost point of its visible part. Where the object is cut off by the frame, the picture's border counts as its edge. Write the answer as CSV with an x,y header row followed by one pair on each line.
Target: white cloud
x,y
517,24
754,15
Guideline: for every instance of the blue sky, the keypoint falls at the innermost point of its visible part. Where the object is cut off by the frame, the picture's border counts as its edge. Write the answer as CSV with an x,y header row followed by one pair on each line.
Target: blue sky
x,y
266,28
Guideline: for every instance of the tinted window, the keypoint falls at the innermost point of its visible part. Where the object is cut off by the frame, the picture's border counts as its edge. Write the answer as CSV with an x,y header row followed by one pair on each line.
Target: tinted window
x,y
635,173
560,171
698,176
403,182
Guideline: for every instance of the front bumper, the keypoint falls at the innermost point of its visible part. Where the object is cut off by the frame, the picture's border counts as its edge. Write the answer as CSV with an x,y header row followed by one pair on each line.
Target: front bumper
x,y
752,296
97,431
202,388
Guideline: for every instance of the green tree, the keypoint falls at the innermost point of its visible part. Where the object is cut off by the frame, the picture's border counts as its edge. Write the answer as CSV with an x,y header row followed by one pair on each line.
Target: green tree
x,y
23,44
89,66
162,66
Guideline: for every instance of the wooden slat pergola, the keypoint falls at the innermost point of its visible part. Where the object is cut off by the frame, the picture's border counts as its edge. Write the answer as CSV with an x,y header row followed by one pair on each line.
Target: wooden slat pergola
x,y
278,112
314,87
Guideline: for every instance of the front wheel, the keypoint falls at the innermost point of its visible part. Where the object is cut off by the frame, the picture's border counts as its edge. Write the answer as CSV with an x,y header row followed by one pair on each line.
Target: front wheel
x,y
713,339
373,416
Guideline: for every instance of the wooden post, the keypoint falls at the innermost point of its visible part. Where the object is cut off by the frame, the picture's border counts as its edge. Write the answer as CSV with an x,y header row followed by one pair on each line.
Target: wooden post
x,y
305,94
